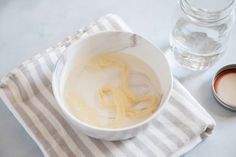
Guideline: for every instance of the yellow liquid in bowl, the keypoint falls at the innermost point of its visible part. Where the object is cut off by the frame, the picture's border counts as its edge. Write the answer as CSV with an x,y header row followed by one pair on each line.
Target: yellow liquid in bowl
x,y
112,90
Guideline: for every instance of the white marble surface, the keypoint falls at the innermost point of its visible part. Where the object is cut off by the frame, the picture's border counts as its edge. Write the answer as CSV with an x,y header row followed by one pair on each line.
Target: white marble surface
x,y
27,27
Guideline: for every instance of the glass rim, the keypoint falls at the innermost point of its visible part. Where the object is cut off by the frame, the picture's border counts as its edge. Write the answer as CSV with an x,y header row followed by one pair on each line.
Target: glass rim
x,y
203,14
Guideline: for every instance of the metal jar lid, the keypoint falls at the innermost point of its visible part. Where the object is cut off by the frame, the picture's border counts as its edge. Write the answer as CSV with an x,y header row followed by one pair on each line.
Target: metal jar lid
x,y
231,68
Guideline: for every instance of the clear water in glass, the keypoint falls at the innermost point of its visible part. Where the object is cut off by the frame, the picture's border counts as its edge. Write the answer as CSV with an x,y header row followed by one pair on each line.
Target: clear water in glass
x,y
200,34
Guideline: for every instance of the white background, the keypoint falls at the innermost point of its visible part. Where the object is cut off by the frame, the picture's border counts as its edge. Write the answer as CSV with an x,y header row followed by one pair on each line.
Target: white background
x,y
28,27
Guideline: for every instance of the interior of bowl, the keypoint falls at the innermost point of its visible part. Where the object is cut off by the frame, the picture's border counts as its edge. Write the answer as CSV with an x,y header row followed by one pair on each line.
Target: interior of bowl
x,y
107,42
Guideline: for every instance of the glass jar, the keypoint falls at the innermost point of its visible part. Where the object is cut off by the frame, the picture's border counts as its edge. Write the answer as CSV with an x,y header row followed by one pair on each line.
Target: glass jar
x,y
201,31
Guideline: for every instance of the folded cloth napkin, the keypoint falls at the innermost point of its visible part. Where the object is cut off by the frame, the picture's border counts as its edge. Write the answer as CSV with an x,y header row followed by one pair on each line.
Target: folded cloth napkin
x,y
27,92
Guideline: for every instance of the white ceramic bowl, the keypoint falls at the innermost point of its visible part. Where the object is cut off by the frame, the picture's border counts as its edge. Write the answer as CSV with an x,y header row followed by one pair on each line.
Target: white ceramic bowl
x,y
112,42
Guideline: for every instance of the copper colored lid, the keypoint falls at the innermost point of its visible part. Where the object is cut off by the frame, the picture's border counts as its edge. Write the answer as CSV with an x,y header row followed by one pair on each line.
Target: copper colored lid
x,y
224,86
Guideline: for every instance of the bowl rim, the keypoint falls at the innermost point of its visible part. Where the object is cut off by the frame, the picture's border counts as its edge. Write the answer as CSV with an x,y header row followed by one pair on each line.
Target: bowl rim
x,y
72,117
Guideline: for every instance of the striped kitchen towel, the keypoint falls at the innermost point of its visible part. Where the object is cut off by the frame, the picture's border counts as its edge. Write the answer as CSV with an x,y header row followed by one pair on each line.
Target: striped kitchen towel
x,y
27,92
